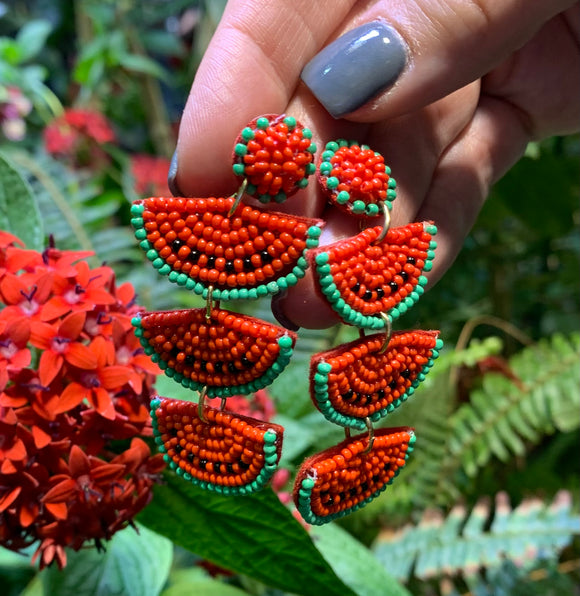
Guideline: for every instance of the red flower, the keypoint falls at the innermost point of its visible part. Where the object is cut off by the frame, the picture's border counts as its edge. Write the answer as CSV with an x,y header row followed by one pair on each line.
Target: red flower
x,y
59,344
77,137
150,175
66,476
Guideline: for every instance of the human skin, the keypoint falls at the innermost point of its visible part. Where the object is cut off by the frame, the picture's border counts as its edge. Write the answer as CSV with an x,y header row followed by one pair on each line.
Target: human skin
x,y
483,78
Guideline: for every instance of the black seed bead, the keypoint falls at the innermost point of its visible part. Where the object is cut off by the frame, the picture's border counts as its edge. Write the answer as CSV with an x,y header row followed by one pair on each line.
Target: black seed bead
x,y
210,262
367,295
380,292
406,373
411,260
394,287
189,360
243,465
352,492
404,275
348,395
178,448
356,287
376,478
248,264
393,384
218,366
230,468
173,432
246,362
190,457
177,244
232,368
364,486
381,393
174,352
230,268
193,256
329,502
203,365
266,257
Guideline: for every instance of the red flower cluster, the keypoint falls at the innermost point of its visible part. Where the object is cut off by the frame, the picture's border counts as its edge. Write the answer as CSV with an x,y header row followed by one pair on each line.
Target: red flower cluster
x,y
150,175
74,393
77,137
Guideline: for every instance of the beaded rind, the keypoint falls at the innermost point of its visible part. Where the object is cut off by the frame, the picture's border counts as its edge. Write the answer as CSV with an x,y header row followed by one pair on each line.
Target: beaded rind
x,y
355,178
247,255
343,479
355,381
275,154
232,354
225,453
362,280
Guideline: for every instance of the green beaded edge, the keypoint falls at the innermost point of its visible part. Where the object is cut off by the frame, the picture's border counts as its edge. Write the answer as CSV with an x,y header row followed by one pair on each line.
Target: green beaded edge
x,y
320,394
353,317
308,483
269,375
358,207
270,466
241,148
183,280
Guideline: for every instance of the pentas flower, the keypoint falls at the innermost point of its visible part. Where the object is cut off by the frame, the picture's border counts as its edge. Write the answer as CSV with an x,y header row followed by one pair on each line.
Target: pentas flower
x,y
75,388
77,137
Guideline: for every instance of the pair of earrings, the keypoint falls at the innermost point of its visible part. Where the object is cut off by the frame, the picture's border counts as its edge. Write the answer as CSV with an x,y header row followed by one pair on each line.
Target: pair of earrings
x,y
222,250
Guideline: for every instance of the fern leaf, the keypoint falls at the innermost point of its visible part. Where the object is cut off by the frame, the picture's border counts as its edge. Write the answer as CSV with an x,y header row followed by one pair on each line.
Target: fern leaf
x,y
502,414
464,544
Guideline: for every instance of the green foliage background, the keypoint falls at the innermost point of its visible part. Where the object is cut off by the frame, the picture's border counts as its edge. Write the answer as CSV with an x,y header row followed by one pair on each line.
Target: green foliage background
x,y
510,303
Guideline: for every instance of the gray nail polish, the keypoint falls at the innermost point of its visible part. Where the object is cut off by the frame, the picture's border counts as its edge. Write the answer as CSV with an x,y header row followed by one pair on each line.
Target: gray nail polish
x,y
171,175
356,67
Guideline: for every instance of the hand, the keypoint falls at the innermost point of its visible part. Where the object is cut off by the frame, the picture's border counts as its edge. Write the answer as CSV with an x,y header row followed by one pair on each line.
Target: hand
x,y
480,79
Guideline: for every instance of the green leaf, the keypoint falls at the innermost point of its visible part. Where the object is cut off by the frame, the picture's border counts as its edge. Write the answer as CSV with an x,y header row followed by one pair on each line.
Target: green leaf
x,y
142,64
134,564
206,587
354,563
19,212
32,37
542,193
253,535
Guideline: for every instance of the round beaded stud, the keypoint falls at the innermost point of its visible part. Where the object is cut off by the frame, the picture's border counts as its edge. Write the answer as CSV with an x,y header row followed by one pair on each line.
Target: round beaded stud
x,y
355,178
275,154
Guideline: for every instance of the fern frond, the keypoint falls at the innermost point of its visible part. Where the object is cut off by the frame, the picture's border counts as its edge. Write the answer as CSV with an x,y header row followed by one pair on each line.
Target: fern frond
x,y
502,417
465,543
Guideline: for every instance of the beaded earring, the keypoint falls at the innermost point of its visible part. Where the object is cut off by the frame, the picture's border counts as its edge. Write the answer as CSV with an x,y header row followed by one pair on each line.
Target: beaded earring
x,y
369,280
224,250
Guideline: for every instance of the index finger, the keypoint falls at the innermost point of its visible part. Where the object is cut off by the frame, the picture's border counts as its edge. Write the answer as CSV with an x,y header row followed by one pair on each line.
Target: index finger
x,y
246,72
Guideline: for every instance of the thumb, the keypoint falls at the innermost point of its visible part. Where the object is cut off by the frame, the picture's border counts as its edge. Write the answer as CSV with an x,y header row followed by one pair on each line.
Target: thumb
x,y
446,45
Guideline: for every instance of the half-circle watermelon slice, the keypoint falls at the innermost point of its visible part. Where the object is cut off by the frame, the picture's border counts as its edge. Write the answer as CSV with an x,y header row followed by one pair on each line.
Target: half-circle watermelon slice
x,y
344,478
364,281
229,354
199,246
363,379
224,452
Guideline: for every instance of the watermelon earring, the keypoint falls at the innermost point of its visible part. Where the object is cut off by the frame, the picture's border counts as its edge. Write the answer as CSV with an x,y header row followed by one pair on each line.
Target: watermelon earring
x,y
247,255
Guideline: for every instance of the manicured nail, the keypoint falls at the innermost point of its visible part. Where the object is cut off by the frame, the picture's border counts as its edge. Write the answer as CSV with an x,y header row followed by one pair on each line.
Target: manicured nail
x,y
356,67
171,175
278,312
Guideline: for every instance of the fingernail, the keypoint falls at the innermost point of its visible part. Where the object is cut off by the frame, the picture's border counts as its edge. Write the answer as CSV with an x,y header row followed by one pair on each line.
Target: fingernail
x,y
171,175
356,67
278,312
